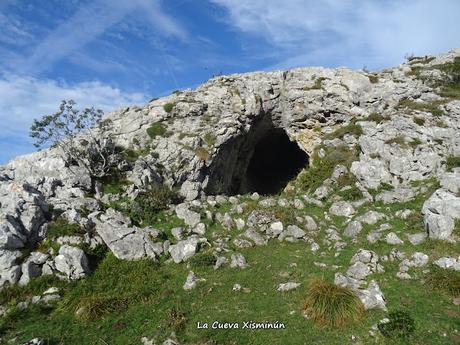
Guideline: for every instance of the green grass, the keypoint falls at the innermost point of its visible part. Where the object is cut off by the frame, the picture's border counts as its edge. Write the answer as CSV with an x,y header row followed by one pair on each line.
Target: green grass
x,y
317,84
209,139
61,227
351,129
452,162
157,129
376,117
331,305
432,107
321,168
168,107
419,121
444,280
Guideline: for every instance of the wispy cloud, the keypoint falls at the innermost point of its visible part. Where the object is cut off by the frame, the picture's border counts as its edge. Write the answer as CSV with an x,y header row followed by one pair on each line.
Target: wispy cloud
x,y
26,98
89,22
13,31
345,32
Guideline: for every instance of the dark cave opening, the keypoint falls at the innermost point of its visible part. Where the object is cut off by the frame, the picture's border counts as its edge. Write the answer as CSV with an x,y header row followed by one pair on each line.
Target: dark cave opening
x,y
275,161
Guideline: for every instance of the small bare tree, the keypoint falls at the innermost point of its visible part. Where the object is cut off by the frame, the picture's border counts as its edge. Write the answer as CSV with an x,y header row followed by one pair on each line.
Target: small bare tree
x,y
81,135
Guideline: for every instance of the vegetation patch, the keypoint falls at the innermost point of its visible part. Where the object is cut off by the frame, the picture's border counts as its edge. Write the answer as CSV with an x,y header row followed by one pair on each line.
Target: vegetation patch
x,y
322,167
317,84
202,153
168,107
157,129
432,107
452,162
331,305
351,129
444,280
400,325
373,78
376,117
61,227
419,121
209,139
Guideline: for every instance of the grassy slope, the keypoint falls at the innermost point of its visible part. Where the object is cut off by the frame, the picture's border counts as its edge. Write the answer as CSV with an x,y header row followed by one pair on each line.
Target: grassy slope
x,y
147,298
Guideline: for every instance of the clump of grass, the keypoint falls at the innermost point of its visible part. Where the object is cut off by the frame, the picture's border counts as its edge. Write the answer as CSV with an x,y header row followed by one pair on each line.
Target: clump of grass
x,y
202,153
203,259
401,325
351,194
317,84
415,142
373,78
61,227
452,162
145,207
157,129
399,140
444,280
321,168
93,307
331,305
419,121
168,107
351,129
209,139
432,107
376,117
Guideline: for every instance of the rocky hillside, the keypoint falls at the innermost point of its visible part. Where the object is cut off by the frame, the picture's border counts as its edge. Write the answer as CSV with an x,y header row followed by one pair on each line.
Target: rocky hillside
x,y
349,175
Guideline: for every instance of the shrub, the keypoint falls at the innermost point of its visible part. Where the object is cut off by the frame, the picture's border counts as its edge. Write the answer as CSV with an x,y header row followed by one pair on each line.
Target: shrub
x,y
317,85
444,280
331,305
157,129
147,204
452,162
399,140
168,107
401,325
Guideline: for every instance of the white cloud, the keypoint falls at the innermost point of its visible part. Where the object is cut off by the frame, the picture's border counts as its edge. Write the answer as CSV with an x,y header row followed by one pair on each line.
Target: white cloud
x,y
352,32
89,22
26,98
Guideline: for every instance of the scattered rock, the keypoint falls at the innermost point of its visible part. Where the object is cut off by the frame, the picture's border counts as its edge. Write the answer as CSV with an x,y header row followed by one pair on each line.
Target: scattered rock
x,y
238,261
191,281
342,208
72,262
287,286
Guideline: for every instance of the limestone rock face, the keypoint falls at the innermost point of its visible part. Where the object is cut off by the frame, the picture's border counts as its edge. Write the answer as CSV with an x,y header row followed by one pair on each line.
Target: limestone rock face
x,y
213,144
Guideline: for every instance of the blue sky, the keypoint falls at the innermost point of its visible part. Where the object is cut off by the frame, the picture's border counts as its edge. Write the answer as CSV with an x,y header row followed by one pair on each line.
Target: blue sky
x,y
110,53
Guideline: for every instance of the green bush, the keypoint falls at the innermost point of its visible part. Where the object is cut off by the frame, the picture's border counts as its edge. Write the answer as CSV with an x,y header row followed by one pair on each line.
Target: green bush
x,y
157,129
147,204
168,107
401,325
331,305
373,79
432,107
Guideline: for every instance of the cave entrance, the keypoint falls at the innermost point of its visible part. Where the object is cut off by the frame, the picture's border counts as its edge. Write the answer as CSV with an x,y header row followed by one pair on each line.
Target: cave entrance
x,y
275,161
261,160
